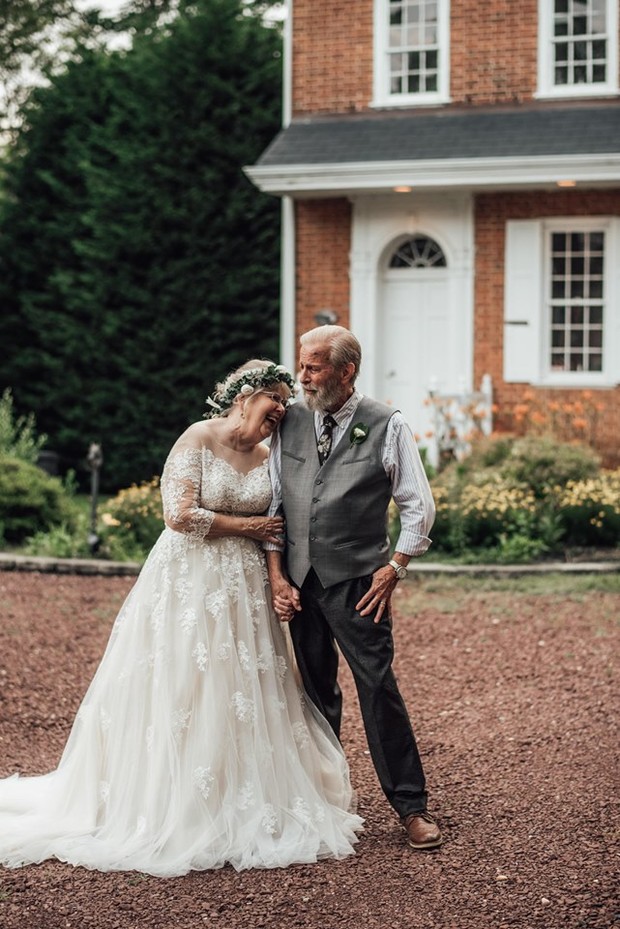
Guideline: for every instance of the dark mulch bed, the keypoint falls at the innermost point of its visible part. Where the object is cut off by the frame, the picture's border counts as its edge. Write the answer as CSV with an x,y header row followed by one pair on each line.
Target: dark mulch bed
x,y
510,688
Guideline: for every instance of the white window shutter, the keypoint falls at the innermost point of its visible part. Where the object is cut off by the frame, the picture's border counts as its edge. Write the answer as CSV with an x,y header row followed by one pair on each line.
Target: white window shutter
x,y
611,320
523,282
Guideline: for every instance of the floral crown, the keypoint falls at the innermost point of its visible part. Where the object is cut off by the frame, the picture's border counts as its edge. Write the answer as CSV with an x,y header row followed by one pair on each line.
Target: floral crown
x,y
245,383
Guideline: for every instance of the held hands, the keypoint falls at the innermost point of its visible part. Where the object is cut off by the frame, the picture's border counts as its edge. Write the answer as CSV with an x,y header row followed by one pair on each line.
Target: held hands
x,y
384,580
285,599
265,528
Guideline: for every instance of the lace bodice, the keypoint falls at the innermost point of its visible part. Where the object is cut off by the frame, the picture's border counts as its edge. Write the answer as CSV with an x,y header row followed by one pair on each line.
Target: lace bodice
x,y
196,484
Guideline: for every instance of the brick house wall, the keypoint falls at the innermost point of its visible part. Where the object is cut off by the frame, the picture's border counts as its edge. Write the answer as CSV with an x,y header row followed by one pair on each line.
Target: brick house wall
x,y
323,231
332,63
492,211
323,238
493,62
493,51
493,54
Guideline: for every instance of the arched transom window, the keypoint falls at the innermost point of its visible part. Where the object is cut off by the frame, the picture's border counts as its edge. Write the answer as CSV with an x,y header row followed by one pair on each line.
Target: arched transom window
x,y
418,252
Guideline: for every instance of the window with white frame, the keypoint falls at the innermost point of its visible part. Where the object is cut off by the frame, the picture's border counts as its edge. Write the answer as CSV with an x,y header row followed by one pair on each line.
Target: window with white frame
x,y
575,307
411,52
420,251
578,47
562,301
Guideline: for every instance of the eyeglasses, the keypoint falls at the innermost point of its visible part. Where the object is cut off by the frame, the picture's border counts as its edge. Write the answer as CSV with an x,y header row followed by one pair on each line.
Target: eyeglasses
x,y
276,398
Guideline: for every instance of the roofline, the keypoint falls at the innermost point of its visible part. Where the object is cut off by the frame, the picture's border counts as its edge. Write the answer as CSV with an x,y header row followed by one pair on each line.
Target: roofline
x,y
331,179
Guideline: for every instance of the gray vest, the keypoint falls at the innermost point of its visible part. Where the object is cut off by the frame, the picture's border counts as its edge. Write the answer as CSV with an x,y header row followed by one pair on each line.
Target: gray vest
x,y
336,515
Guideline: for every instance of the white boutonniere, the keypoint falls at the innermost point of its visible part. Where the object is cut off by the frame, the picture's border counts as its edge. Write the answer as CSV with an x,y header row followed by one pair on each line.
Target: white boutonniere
x,y
358,434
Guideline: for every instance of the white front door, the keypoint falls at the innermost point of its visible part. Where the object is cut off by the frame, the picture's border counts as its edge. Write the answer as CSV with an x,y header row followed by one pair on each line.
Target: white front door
x,y
415,350
412,300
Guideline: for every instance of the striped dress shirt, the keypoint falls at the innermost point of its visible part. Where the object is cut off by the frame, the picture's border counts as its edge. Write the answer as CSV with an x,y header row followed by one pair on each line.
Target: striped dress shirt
x,y
401,459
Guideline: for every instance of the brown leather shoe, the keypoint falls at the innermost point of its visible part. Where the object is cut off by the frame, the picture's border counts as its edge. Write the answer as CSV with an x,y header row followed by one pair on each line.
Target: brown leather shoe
x,y
422,830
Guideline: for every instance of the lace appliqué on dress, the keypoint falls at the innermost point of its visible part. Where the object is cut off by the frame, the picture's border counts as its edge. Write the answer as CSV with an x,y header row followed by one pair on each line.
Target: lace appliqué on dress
x,y
181,483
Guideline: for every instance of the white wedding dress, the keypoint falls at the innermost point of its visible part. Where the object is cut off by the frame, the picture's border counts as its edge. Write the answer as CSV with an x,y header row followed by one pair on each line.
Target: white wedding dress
x,y
193,746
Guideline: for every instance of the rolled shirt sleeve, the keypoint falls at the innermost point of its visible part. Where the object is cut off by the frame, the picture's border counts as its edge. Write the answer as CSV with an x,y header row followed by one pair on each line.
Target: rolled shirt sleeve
x,y
410,488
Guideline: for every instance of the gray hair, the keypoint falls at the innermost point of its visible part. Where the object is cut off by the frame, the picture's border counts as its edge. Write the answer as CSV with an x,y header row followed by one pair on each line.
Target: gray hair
x,y
252,377
342,346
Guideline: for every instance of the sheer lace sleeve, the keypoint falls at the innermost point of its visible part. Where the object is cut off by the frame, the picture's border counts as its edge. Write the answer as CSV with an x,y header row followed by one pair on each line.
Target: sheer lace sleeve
x,y
181,485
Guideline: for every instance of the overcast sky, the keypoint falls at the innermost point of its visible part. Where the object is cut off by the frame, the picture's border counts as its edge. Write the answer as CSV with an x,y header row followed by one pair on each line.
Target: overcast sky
x,y
109,6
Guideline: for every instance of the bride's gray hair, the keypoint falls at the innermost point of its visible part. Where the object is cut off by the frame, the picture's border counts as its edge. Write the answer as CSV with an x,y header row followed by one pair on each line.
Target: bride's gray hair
x,y
256,374
342,346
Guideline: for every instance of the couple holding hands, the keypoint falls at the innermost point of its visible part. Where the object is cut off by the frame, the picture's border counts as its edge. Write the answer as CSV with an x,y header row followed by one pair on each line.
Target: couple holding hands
x,y
208,735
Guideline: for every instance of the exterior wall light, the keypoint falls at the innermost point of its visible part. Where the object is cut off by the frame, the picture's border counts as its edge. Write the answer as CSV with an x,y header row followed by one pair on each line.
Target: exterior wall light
x,y
325,318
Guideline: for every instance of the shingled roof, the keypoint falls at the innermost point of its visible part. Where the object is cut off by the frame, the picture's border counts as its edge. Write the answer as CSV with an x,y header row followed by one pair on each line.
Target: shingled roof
x,y
502,148
447,135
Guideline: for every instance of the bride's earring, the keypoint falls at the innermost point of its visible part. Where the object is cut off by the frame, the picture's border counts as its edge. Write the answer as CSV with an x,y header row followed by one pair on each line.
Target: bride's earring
x,y
240,401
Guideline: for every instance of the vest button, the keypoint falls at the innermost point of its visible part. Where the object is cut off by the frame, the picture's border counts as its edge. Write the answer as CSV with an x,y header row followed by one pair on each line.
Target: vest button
x,y
319,481
315,499
313,538
313,519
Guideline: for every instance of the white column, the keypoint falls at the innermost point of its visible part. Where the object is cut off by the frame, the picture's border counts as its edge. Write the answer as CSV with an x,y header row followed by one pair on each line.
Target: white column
x,y
288,349
363,288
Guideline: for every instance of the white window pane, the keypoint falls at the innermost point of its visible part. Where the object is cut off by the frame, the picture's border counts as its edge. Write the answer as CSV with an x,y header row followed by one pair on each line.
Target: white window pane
x,y
576,272
414,27
414,35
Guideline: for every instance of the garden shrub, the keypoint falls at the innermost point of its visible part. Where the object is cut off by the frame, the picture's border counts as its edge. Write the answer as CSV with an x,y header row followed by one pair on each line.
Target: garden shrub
x,y
483,516
515,499
590,510
543,464
18,437
30,500
132,521
62,541
537,462
518,549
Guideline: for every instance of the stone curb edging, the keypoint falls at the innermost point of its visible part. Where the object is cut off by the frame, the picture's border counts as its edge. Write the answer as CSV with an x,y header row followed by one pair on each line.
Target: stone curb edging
x,y
94,566
68,565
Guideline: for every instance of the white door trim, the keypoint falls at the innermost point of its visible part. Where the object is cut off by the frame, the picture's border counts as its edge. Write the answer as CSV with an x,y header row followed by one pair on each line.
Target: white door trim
x,y
378,222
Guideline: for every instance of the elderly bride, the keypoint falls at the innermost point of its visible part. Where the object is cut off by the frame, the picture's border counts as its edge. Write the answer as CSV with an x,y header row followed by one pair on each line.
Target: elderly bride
x,y
193,746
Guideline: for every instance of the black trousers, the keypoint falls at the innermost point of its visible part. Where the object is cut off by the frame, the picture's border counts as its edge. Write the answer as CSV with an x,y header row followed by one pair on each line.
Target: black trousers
x,y
328,617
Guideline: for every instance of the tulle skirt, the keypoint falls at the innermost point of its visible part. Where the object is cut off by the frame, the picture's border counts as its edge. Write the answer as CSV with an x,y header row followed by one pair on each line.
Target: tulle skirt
x,y
194,746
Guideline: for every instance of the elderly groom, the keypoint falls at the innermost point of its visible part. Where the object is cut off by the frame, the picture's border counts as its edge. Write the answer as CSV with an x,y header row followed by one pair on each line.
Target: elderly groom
x,y
338,460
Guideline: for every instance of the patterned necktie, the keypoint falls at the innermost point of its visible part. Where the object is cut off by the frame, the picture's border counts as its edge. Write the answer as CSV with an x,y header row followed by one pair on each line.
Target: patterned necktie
x,y
324,445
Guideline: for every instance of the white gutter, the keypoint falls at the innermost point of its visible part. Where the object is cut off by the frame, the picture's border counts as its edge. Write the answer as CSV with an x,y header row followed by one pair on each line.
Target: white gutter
x,y
470,173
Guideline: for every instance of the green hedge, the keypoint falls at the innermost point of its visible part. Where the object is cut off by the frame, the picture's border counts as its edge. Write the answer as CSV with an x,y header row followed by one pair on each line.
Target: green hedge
x,y
30,501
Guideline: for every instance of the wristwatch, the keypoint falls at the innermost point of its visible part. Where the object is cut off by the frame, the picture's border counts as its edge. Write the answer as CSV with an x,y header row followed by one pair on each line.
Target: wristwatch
x,y
401,570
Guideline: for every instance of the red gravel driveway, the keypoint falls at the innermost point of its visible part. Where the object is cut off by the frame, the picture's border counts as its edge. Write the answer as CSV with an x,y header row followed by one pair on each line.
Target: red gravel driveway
x,y
510,688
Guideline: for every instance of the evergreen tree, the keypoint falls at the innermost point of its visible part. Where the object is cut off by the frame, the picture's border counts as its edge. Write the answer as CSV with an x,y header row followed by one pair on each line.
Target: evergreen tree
x,y
137,263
